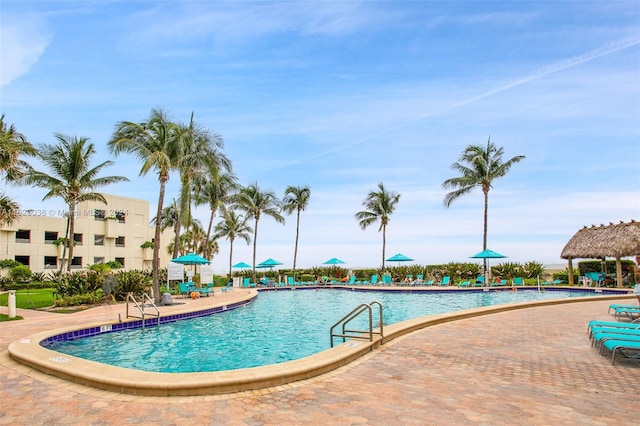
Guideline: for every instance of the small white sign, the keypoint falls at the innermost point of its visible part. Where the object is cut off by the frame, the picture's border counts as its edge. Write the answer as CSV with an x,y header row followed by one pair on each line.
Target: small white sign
x,y
206,274
175,271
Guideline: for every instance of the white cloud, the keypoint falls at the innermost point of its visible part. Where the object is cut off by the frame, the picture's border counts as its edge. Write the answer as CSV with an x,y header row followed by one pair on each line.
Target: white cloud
x,y
24,40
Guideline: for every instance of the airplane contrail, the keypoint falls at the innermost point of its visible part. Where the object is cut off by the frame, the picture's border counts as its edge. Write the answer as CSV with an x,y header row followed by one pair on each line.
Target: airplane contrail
x,y
553,68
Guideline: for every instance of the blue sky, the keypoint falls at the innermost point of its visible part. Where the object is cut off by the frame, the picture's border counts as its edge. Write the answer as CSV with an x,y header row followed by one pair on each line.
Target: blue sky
x,y
343,95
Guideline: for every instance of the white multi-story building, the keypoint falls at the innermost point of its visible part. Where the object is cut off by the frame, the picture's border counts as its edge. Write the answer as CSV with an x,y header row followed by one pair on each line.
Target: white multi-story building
x,y
103,232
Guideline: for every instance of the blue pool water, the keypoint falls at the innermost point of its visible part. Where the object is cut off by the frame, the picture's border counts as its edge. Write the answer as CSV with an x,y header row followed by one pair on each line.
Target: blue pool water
x,y
279,326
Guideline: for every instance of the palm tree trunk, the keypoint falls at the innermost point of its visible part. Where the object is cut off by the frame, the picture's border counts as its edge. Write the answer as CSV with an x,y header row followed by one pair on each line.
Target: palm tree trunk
x,y
176,240
64,247
207,253
384,242
72,225
156,244
486,217
295,250
255,239
230,258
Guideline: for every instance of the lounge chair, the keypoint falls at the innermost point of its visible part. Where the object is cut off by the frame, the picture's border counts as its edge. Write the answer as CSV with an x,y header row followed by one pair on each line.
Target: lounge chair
x,y
429,282
419,280
627,348
518,281
290,281
386,280
631,312
183,289
499,282
602,338
479,281
445,281
612,324
615,306
352,280
464,284
228,287
600,335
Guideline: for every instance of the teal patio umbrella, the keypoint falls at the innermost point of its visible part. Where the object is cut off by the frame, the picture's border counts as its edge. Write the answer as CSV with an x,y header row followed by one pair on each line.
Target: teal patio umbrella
x,y
399,258
334,261
269,263
241,265
486,255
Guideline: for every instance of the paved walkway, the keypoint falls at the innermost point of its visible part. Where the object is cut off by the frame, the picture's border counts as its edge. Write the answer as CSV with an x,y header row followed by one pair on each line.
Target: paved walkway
x,y
526,367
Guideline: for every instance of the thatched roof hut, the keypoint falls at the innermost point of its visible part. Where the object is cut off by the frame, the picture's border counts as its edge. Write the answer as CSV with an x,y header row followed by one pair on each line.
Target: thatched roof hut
x,y
599,242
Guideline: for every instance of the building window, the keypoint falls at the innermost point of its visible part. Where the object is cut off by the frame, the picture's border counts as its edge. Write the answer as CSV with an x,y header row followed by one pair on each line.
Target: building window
x,y
76,262
98,260
50,262
23,236
98,240
120,215
99,214
22,259
120,242
50,237
78,239
120,260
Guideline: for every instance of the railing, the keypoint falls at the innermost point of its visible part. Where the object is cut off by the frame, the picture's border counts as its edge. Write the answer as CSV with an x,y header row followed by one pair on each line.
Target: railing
x,y
140,307
358,334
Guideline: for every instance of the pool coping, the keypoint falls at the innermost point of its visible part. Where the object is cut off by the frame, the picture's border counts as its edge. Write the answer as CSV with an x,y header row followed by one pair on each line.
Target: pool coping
x,y
29,351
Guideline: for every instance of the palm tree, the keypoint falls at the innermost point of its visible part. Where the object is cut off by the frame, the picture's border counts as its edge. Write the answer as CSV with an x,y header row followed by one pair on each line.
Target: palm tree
x,y
479,166
157,143
72,179
8,210
201,157
379,206
13,145
296,198
231,227
215,190
256,203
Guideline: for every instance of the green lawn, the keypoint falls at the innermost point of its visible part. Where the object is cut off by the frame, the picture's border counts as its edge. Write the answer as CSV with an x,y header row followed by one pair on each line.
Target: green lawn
x,y
30,299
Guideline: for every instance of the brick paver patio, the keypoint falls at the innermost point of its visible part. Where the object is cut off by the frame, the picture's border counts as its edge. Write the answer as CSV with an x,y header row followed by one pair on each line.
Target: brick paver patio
x,y
526,367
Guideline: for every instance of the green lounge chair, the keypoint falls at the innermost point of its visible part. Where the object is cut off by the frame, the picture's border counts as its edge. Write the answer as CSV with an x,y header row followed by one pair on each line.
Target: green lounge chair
x,y
630,349
599,336
615,306
631,312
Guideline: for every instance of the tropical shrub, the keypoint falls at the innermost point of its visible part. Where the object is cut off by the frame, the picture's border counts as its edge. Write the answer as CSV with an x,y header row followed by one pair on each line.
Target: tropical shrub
x,y
114,264
20,274
134,281
79,299
39,277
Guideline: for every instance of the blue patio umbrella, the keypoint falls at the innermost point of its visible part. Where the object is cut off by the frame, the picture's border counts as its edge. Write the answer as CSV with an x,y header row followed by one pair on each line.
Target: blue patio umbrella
x,y
191,259
334,261
399,258
269,263
486,255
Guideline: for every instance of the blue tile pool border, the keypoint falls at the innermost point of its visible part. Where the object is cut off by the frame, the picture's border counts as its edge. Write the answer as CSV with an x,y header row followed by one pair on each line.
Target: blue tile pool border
x,y
129,325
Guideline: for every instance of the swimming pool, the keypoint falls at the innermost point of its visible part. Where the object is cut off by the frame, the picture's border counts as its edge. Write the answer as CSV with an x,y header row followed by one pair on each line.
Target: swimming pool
x,y
278,327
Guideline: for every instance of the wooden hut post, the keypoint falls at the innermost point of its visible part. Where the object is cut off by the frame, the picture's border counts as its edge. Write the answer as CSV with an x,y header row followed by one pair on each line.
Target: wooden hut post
x,y
619,272
570,268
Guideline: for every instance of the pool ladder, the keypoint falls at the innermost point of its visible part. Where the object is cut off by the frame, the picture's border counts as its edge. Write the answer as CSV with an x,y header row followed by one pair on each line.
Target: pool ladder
x,y
358,334
145,298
